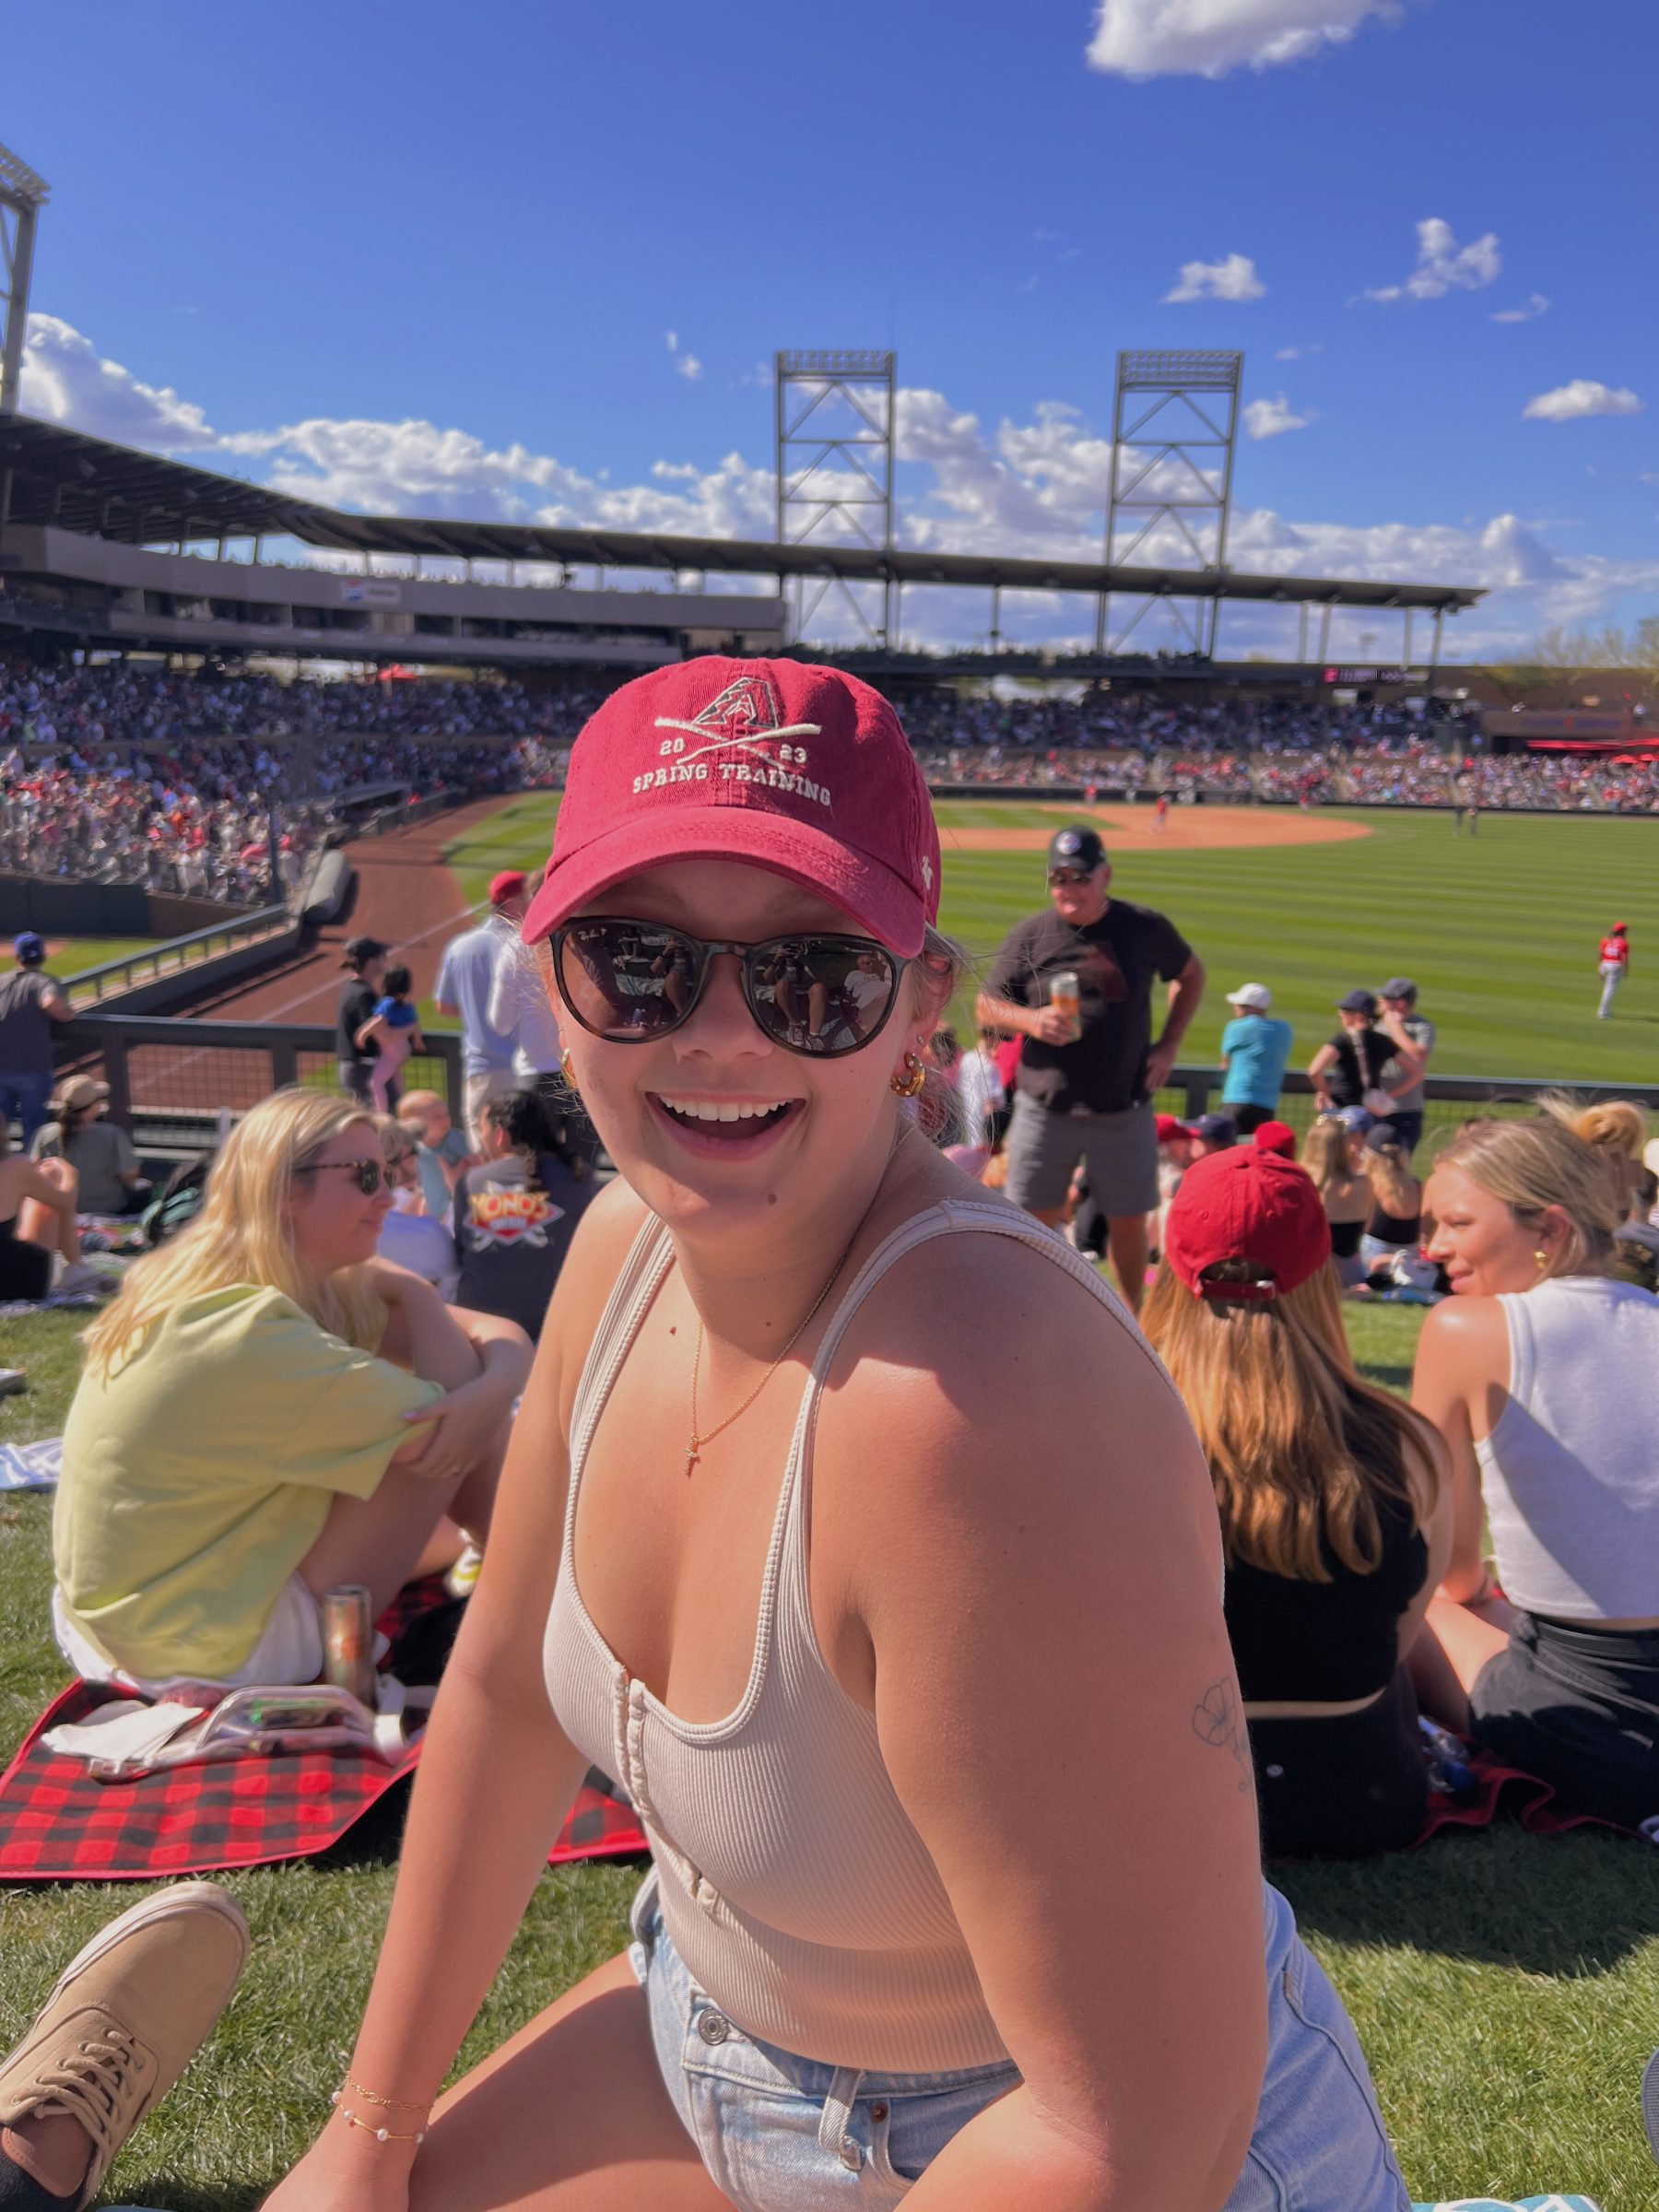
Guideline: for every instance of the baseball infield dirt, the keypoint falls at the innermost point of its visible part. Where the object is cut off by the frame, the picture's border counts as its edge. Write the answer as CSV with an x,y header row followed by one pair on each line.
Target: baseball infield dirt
x,y
1185,829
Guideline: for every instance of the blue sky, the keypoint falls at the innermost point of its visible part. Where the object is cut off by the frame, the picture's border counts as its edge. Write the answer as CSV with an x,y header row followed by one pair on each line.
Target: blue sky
x,y
429,258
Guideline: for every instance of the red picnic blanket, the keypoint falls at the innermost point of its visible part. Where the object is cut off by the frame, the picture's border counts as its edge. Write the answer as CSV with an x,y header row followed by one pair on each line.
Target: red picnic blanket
x,y
59,1824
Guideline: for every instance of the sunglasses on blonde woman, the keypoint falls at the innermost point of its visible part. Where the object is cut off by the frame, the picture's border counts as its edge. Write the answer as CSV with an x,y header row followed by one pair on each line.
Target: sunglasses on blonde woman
x,y
367,1174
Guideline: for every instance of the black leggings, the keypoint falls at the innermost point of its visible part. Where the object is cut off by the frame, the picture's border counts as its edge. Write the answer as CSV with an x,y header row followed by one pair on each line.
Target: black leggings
x,y
1344,1787
1577,1706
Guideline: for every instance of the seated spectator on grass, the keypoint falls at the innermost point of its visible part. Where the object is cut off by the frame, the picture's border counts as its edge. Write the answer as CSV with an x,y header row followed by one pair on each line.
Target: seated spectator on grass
x,y
1255,1045
1396,1217
99,1150
1332,1153
38,1202
1331,1499
1542,1373
409,1236
441,1150
267,1411
516,1213
1215,1132
1274,1137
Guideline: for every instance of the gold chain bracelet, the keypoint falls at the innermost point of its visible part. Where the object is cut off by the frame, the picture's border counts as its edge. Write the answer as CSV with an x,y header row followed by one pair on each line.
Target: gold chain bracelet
x,y
381,2136
402,2103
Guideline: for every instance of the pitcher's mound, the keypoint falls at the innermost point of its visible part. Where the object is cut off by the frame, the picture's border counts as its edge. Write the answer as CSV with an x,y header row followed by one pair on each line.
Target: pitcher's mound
x,y
1185,829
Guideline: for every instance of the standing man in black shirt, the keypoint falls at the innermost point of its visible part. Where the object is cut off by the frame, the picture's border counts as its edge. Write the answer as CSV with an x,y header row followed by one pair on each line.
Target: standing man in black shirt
x,y
365,957
1087,1080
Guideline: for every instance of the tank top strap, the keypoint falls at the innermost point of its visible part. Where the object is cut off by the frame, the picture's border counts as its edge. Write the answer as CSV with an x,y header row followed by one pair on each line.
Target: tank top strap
x,y
649,1259
790,1618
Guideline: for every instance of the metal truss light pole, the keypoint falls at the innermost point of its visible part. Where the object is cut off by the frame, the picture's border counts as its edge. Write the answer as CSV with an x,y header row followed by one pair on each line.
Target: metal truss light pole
x,y
1174,425
22,195
833,418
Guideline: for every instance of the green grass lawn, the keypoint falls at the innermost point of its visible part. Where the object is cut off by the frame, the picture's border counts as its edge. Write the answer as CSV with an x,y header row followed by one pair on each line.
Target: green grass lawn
x,y
1506,1988
1498,931
76,953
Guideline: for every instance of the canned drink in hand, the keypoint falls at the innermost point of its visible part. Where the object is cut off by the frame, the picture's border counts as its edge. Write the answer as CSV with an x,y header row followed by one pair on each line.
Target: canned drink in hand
x,y
1066,996
348,1644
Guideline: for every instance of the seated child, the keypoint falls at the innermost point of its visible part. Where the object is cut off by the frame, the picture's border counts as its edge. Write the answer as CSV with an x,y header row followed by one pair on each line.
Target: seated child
x,y
441,1150
395,1029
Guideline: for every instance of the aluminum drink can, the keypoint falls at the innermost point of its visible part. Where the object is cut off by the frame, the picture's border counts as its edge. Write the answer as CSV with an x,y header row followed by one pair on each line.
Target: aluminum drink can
x,y
348,1644
1065,994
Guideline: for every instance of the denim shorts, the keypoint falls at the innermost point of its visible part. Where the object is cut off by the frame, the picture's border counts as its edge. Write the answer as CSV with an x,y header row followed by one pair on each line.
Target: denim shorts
x,y
782,2134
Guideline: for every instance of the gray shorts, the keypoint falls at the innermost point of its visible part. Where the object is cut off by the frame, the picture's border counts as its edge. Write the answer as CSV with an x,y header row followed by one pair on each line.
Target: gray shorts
x,y
1119,1152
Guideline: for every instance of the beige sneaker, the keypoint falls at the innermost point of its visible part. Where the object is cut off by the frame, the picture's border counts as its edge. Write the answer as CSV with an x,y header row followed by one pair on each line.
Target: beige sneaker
x,y
125,2017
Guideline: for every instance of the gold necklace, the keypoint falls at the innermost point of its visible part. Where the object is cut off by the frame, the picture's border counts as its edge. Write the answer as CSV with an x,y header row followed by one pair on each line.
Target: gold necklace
x,y
694,1449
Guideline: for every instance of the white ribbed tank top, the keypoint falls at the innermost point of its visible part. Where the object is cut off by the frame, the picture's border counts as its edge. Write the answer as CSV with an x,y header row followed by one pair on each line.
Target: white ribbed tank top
x,y
1569,1470
792,1885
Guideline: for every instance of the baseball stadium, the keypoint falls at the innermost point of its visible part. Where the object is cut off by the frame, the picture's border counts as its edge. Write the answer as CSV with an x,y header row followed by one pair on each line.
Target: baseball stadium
x,y
270,766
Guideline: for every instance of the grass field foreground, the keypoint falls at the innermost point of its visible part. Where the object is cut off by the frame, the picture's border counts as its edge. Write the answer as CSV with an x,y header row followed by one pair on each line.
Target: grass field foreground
x,y
1498,931
1505,1987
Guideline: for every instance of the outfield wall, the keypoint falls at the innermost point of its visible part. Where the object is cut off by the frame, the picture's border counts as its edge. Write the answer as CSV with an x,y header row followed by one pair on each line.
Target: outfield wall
x,y
62,906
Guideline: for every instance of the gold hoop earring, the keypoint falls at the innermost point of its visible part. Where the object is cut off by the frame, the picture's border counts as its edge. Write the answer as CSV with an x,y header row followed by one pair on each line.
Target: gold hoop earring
x,y
915,1075
566,1071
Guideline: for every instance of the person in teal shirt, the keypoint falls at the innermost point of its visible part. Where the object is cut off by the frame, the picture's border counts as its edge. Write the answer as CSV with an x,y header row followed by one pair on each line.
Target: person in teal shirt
x,y
1255,1047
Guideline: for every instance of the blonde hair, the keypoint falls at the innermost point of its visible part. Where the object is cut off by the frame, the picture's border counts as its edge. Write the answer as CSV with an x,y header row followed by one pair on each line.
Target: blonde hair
x,y
1390,1177
1301,1448
1580,1158
243,1233
1325,1155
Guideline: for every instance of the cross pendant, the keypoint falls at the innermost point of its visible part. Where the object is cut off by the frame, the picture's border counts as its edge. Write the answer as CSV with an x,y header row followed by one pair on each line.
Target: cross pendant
x,y
692,1456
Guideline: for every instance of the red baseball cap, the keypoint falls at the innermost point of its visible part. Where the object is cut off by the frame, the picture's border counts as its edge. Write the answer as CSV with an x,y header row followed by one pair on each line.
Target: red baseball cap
x,y
1170,1125
1274,1137
1246,1204
509,884
798,769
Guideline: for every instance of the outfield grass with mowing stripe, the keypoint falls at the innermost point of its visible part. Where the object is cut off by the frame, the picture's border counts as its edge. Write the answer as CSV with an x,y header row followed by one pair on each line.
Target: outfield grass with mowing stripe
x,y
1505,1986
1498,931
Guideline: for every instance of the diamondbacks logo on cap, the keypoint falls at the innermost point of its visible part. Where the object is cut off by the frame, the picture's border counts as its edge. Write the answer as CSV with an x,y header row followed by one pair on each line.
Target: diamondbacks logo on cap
x,y
1068,840
743,742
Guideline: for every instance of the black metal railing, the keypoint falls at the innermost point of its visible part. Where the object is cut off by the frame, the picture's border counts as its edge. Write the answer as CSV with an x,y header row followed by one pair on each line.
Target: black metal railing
x,y
171,956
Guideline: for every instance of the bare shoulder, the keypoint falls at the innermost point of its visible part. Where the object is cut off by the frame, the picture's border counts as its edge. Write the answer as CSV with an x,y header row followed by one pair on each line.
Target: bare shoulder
x,y
981,1365
1461,1329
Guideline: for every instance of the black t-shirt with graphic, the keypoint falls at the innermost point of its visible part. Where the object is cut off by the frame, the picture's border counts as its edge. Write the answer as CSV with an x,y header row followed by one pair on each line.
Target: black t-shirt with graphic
x,y
1115,961
358,1002
512,1235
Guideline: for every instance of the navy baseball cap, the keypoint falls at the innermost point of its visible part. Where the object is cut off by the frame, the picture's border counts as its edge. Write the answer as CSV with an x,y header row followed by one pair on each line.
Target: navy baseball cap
x,y
1076,847
28,947
1217,1128
1357,1002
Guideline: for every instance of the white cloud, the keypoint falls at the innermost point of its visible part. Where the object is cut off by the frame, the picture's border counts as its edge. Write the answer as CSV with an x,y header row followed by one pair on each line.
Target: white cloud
x,y
688,366
1443,266
671,339
65,380
1528,312
1296,353
1232,278
1584,395
1035,485
1272,417
1207,38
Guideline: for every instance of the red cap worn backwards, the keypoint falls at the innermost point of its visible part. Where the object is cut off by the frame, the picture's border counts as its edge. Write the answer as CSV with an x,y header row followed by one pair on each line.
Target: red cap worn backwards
x,y
1246,1204
797,769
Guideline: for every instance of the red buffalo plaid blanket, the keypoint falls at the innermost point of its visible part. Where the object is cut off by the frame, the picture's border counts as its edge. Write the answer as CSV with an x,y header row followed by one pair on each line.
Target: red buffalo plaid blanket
x,y
58,1824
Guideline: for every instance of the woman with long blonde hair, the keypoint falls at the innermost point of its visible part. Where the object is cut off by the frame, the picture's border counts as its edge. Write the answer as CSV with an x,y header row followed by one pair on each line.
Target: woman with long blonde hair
x,y
1329,1493
1542,1373
268,1410
1332,1154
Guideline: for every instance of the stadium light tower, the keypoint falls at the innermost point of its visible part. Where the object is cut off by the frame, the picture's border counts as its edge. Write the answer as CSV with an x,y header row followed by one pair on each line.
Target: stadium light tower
x,y
833,412
22,195
1175,424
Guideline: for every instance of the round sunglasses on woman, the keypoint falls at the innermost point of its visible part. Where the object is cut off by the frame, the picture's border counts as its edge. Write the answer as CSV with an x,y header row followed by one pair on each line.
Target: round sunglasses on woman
x,y
798,1540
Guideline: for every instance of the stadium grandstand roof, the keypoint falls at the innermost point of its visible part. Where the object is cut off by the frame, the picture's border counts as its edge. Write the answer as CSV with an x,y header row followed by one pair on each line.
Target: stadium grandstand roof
x,y
60,477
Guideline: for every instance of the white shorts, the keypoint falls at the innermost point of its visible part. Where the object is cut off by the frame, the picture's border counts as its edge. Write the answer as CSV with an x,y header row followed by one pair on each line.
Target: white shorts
x,y
290,1647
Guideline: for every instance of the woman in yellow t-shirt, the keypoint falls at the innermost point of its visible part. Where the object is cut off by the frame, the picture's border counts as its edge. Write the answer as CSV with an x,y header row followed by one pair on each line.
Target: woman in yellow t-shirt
x,y
268,1410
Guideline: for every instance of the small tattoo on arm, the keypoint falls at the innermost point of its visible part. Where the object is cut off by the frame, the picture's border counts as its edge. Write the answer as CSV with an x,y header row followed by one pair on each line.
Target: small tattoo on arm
x,y
1218,1720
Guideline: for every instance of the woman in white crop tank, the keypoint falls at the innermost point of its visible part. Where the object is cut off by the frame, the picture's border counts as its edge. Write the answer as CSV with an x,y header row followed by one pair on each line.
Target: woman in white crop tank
x,y
832,1575
1542,1373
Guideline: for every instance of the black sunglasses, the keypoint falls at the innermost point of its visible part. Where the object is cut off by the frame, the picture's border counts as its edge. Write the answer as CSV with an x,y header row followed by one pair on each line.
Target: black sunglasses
x,y
1059,877
367,1174
632,983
